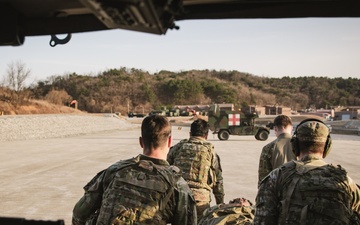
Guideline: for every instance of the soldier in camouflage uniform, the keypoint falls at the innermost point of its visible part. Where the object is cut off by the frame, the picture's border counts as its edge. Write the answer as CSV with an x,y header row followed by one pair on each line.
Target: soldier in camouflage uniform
x,y
199,165
308,191
141,190
278,151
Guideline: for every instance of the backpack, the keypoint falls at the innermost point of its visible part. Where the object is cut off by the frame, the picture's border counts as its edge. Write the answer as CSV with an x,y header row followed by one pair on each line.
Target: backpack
x,y
194,161
228,214
317,193
138,194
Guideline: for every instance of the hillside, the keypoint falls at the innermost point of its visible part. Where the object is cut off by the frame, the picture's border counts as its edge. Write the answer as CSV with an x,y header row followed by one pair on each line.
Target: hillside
x,y
123,90
35,107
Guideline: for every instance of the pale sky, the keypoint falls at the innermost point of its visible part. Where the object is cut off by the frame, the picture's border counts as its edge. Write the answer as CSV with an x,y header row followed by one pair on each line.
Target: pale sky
x,y
263,47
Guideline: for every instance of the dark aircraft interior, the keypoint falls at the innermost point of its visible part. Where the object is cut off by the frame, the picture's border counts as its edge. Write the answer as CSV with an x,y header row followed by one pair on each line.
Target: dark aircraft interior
x,y
22,18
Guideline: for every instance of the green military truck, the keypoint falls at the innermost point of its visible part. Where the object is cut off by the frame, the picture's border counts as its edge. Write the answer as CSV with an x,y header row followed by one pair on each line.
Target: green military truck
x,y
225,123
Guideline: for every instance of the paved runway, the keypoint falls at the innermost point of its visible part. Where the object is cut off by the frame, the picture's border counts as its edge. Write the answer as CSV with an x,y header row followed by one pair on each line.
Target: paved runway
x,y
43,179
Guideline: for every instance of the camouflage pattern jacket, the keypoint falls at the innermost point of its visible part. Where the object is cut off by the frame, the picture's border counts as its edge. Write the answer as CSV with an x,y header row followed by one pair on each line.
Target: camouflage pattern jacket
x,y
200,166
275,154
140,190
228,214
309,191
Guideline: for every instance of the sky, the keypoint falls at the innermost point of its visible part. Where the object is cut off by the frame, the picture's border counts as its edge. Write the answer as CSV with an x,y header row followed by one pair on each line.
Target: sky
x,y
264,47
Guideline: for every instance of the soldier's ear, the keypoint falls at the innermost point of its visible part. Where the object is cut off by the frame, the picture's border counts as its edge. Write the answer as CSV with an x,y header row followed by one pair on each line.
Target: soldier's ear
x,y
276,129
141,142
169,141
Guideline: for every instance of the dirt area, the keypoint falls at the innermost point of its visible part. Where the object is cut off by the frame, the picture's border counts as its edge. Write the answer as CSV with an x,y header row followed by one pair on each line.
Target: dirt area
x,y
35,107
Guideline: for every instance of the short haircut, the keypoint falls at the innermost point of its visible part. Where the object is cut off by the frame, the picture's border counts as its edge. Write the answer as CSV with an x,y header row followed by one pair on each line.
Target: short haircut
x,y
199,128
311,147
282,121
155,131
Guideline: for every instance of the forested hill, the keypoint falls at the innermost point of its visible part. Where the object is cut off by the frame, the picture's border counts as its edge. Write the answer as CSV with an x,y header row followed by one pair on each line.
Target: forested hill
x,y
118,90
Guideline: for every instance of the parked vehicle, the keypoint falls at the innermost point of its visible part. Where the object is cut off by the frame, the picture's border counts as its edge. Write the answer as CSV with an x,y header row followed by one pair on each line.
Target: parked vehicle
x,y
139,115
225,123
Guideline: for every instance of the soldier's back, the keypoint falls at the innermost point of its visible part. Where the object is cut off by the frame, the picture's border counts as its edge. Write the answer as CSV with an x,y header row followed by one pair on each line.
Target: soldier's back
x,y
315,195
138,193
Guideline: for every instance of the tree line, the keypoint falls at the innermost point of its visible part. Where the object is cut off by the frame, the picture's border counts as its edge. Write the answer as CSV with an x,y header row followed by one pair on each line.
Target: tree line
x,y
128,89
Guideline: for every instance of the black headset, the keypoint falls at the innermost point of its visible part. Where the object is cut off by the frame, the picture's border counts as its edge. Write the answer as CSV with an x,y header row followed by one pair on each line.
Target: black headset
x,y
295,141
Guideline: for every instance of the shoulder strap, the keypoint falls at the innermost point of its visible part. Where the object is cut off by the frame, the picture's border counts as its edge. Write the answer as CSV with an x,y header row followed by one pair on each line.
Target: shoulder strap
x,y
285,205
170,174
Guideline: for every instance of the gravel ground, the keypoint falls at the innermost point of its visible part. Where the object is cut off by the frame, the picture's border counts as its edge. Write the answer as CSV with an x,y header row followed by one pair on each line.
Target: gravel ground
x,y
26,127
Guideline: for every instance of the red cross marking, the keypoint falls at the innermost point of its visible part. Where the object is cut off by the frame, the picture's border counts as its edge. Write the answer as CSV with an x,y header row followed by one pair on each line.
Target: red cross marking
x,y
234,119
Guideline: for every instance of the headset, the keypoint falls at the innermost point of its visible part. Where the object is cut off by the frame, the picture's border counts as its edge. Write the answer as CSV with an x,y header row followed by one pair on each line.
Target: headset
x,y
295,142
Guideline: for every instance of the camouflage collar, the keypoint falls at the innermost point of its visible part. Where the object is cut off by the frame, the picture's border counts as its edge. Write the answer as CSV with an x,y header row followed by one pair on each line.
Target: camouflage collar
x,y
197,138
309,158
154,160
308,163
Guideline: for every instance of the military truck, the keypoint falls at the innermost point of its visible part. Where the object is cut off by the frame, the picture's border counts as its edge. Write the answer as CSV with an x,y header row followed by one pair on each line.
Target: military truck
x,y
226,122
138,115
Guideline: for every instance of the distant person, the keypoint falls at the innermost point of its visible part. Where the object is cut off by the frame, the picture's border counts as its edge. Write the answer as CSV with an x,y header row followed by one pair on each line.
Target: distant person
x,y
200,166
238,211
141,190
278,151
309,190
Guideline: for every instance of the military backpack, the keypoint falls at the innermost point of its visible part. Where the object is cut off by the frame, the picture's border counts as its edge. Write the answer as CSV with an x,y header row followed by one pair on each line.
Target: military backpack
x,y
228,214
316,194
195,160
138,194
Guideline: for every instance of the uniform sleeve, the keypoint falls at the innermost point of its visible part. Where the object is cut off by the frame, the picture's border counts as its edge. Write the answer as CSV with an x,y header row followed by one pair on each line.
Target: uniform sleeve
x,y
170,155
218,189
185,213
90,201
265,166
355,195
266,212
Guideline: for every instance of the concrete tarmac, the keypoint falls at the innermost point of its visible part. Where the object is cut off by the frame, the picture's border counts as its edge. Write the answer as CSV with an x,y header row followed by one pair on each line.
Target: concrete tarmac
x,y
43,179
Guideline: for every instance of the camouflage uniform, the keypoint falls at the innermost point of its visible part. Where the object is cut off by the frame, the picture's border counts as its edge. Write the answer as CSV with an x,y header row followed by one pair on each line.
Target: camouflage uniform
x,y
141,190
233,213
308,191
275,154
200,167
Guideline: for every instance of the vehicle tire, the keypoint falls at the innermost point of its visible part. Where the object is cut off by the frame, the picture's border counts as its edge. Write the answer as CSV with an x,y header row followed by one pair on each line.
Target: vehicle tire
x,y
223,135
262,135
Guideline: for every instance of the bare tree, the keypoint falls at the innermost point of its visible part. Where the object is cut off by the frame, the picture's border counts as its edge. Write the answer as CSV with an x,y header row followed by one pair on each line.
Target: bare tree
x,y
15,78
16,75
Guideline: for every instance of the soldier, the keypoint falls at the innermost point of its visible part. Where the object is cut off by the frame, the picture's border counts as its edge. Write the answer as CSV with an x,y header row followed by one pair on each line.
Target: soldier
x,y
200,166
278,151
141,190
308,191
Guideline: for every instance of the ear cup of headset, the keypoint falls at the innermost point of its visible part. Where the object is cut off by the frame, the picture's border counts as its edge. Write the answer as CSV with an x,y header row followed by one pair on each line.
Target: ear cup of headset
x,y
295,145
328,145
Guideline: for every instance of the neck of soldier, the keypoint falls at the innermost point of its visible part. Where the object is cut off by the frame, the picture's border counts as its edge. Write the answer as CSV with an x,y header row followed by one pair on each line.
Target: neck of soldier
x,y
281,130
314,154
157,153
